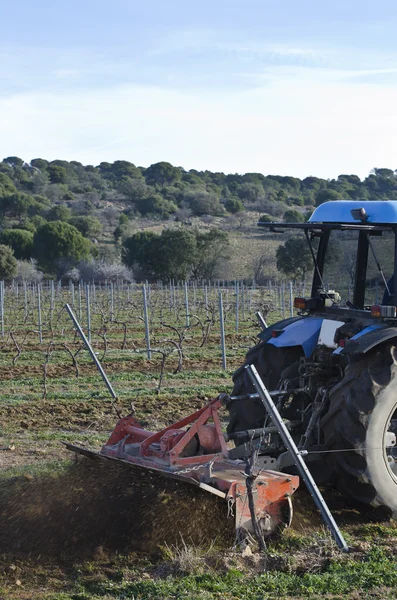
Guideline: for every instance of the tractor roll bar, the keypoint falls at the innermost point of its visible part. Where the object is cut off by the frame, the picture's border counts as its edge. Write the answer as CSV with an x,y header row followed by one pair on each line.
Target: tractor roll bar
x,y
279,227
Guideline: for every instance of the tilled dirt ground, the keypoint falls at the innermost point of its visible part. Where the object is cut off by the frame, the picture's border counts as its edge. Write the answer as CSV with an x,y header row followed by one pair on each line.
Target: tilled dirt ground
x,y
59,520
96,520
95,504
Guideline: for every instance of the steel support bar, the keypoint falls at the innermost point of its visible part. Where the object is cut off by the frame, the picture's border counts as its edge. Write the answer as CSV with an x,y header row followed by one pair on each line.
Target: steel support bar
x,y
146,320
273,394
222,326
261,320
91,351
297,457
251,433
187,306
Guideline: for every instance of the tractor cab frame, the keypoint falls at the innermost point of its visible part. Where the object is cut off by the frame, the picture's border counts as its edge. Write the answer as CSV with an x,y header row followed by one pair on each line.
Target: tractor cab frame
x,y
370,218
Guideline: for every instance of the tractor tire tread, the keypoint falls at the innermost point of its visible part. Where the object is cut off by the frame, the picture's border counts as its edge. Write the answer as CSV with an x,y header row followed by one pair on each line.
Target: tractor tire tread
x,y
346,429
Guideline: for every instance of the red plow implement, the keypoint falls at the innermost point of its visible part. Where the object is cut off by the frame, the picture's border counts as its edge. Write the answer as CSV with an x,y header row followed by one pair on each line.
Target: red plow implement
x,y
195,450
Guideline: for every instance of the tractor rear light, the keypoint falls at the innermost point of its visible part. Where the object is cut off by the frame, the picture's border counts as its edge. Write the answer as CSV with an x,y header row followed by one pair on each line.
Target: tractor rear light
x,y
300,303
276,332
342,343
383,311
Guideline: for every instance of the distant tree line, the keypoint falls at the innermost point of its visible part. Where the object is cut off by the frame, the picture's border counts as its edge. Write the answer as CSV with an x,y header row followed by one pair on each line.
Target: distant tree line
x,y
162,189
55,211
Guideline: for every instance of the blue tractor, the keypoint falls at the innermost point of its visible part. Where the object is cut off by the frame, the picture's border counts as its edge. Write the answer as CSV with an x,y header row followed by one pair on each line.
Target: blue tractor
x,y
333,367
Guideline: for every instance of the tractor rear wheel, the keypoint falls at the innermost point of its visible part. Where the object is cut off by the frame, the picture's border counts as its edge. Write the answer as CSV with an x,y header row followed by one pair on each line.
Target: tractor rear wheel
x,y
361,426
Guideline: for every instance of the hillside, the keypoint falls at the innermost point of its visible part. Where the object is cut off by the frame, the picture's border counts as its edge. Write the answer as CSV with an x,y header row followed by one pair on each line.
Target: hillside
x,y
112,201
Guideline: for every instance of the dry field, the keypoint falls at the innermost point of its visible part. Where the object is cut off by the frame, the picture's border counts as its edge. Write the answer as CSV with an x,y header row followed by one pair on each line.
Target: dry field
x,y
85,530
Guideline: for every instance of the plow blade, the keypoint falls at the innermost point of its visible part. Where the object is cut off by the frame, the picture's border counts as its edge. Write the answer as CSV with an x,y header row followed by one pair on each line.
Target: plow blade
x,y
194,450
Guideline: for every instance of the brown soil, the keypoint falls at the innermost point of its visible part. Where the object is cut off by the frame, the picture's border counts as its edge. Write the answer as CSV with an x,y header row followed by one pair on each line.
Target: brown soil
x,y
307,518
92,415
98,504
127,364
55,414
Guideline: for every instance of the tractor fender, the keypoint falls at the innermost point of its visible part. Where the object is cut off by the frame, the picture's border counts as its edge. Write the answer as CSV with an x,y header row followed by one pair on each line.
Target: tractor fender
x,y
303,332
266,334
369,338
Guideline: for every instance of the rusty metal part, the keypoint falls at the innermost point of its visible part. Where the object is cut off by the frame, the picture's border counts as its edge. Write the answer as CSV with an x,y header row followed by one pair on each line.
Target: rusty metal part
x,y
195,451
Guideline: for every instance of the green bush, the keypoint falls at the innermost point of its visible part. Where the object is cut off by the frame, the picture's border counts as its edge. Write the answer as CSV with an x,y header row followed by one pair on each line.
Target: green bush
x,y
20,240
58,240
8,263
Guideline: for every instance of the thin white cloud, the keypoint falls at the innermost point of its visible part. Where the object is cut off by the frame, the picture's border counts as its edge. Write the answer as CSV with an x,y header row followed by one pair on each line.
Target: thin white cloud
x,y
259,50
307,74
291,126
209,40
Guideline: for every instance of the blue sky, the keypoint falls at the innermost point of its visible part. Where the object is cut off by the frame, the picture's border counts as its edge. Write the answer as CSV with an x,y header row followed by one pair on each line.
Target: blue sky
x,y
282,87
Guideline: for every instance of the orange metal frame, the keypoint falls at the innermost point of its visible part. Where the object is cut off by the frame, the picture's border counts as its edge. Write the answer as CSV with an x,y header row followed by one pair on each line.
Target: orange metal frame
x,y
272,490
130,430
